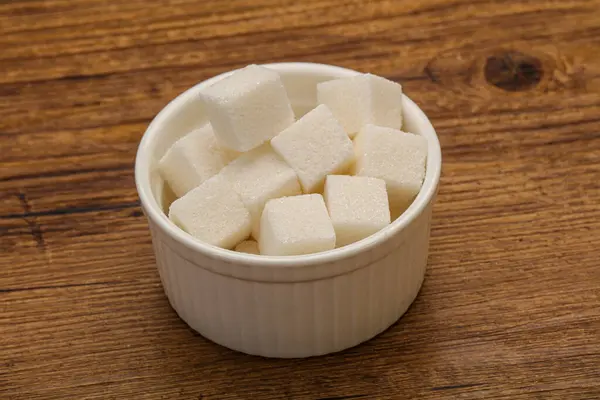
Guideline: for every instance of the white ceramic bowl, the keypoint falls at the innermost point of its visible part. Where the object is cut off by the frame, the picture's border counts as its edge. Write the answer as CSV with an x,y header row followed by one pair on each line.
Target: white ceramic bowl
x,y
295,306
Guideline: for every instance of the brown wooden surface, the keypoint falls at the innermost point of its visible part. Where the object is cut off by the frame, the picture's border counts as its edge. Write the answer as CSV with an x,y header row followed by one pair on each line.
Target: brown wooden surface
x,y
510,308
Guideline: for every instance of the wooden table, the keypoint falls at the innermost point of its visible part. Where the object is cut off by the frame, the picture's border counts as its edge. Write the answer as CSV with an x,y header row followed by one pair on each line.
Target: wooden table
x,y
510,307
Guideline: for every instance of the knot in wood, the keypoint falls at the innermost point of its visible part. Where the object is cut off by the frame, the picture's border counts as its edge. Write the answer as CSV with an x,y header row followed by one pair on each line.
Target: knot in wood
x,y
513,71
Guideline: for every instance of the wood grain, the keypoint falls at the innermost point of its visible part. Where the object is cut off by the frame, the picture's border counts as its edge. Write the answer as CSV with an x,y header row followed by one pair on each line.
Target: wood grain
x,y
510,308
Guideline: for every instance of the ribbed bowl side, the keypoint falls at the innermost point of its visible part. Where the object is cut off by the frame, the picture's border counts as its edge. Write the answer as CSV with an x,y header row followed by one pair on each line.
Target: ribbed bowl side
x,y
296,319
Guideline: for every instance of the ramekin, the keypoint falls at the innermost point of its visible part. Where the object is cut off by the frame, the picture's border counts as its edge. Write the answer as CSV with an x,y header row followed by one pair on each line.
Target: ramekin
x,y
295,306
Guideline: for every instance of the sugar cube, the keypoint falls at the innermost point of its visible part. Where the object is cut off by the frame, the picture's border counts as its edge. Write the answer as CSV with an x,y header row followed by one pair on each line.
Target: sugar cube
x,y
248,107
213,213
193,159
315,146
296,225
396,157
358,206
363,99
260,175
248,246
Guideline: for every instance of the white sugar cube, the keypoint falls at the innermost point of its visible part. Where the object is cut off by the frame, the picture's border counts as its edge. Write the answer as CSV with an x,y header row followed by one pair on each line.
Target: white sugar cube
x,y
258,176
213,213
358,206
193,159
248,246
396,157
363,99
248,107
315,146
296,225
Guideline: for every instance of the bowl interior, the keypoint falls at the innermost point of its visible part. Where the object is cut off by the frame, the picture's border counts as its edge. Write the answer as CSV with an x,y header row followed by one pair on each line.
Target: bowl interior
x,y
186,113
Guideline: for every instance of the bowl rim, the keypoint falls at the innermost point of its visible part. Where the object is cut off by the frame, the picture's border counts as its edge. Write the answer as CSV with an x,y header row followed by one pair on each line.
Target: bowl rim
x,y
157,216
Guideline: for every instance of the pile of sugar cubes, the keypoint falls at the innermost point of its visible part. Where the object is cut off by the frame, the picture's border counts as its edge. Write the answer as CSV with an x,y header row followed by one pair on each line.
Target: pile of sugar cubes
x,y
256,180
